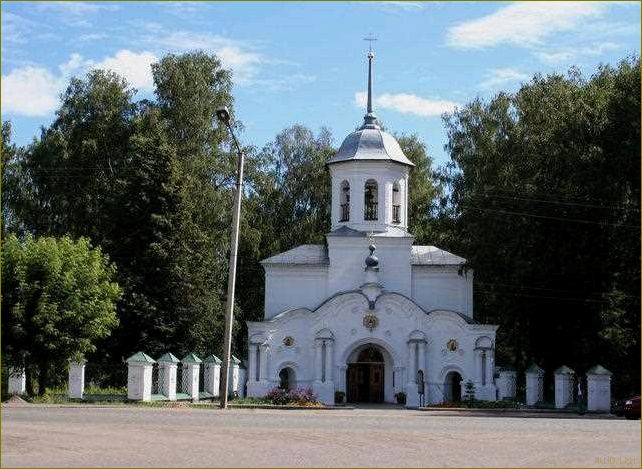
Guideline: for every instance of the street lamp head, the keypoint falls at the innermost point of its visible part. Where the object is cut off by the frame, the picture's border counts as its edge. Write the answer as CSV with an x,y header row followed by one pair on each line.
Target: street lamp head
x,y
223,115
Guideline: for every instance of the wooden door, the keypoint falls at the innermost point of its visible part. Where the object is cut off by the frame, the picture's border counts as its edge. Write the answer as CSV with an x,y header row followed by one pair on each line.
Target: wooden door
x,y
375,384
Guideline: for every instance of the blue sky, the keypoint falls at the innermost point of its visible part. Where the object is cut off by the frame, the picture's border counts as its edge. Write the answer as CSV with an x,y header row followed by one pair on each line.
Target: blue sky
x,y
296,62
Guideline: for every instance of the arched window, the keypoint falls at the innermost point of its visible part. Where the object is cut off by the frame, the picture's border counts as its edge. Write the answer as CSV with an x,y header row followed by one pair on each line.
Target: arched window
x,y
371,204
287,378
396,203
345,201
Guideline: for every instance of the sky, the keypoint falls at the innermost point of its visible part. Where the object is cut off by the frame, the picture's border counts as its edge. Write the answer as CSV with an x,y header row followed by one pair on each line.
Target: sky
x,y
305,62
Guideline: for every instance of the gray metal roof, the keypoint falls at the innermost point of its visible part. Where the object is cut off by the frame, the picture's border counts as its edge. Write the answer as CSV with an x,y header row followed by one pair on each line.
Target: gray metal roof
x,y
370,144
317,254
304,254
431,255
391,232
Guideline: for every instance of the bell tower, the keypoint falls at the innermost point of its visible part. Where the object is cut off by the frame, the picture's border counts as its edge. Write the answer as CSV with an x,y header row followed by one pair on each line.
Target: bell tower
x,y
370,177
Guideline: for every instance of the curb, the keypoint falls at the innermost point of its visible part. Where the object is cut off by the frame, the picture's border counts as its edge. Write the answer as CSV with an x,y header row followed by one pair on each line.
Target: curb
x,y
286,407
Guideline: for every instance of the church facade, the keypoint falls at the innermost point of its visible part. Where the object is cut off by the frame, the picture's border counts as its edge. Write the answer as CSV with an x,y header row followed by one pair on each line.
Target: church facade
x,y
369,316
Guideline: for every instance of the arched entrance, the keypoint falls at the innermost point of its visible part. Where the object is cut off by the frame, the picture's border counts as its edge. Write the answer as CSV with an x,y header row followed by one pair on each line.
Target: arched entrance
x,y
452,386
287,378
365,375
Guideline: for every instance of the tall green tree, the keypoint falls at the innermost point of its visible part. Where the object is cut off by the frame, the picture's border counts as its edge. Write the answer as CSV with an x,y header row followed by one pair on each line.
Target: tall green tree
x,y
189,89
424,190
545,198
58,298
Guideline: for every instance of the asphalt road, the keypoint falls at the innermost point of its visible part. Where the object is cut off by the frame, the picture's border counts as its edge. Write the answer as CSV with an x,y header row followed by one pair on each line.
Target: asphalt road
x,y
129,436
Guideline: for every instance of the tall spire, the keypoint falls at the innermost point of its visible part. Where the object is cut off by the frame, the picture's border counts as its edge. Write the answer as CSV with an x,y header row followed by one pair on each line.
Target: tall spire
x,y
370,57
370,119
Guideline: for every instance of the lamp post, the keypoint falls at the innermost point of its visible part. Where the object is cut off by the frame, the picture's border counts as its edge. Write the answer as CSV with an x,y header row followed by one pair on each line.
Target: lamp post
x,y
223,116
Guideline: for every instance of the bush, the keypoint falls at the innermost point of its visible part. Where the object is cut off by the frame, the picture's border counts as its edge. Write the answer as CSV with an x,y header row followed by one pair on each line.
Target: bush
x,y
401,397
297,396
339,397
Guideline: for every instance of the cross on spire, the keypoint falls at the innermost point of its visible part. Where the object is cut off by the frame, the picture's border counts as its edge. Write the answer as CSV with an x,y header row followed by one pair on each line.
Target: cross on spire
x,y
370,120
371,38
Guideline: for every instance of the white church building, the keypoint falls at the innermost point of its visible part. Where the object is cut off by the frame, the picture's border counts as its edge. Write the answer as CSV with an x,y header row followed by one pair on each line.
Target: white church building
x,y
368,313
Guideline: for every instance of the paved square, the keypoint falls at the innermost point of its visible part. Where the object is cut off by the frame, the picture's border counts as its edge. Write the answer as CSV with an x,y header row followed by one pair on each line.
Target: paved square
x,y
151,437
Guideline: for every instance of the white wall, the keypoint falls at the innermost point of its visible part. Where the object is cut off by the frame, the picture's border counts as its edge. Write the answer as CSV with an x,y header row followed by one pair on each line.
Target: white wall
x,y
347,263
398,318
294,286
442,287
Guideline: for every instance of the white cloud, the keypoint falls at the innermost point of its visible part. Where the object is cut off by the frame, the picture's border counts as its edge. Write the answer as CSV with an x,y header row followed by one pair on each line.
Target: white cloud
x,y
569,54
16,29
34,90
407,104
405,6
136,68
77,8
502,76
523,24
236,55
91,37
30,91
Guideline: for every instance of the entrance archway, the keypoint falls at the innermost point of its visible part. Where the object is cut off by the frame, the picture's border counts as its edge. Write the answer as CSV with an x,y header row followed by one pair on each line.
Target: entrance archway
x,y
452,386
287,378
365,375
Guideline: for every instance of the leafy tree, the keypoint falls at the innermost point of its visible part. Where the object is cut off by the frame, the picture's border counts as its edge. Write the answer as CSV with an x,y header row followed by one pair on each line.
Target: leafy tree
x,y
288,186
58,299
189,89
424,190
544,197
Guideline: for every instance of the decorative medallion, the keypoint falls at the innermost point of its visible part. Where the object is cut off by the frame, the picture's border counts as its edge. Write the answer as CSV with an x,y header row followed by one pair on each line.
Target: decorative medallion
x,y
288,341
370,321
452,345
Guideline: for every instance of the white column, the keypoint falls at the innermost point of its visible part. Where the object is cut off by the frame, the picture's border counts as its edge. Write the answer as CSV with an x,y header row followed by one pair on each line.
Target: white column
x,y
76,379
479,359
341,378
139,377
506,384
318,345
252,362
191,379
563,387
233,386
534,385
212,375
412,396
421,361
598,384
490,367
167,378
412,372
263,374
329,362
398,371
17,381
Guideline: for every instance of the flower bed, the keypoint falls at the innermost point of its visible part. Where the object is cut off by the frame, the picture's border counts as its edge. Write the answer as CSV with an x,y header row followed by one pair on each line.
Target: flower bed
x,y
303,397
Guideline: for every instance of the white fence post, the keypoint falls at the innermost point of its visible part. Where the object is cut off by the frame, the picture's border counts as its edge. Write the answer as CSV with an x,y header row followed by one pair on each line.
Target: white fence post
x,y
534,385
17,381
212,375
76,379
563,386
139,377
506,384
191,367
167,368
598,383
234,376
